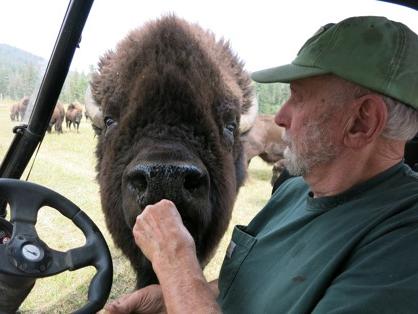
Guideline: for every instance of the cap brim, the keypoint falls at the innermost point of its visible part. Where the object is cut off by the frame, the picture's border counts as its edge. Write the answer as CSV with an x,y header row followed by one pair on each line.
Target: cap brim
x,y
286,73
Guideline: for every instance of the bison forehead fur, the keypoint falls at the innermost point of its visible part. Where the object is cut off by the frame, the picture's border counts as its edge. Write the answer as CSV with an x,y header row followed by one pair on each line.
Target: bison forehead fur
x,y
172,98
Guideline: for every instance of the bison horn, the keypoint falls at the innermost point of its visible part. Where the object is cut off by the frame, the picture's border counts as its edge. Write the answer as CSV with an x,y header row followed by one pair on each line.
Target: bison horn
x,y
93,110
248,118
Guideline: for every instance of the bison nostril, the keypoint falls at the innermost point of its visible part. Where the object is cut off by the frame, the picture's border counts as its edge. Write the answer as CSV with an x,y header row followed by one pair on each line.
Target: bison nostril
x,y
138,182
194,181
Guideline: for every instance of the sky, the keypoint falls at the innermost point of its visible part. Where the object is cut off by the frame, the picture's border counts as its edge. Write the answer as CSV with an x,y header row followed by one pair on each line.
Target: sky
x,y
264,33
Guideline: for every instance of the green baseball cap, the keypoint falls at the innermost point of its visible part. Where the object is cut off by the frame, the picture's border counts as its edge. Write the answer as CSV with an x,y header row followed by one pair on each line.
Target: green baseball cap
x,y
371,51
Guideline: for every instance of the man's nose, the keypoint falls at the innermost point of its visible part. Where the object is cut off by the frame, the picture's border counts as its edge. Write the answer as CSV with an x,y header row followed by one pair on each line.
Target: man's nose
x,y
282,117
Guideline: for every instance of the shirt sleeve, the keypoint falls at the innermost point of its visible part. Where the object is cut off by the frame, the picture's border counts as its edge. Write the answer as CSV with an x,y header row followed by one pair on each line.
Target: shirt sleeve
x,y
380,277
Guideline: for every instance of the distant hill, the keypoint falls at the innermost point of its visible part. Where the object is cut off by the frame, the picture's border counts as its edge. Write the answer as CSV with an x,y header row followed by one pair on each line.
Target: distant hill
x,y
19,71
14,56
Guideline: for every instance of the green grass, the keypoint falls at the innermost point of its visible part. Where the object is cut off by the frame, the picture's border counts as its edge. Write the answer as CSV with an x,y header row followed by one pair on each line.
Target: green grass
x,y
65,163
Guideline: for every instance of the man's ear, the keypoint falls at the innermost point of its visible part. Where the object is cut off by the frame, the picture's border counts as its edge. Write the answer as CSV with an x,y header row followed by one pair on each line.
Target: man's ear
x,y
367,122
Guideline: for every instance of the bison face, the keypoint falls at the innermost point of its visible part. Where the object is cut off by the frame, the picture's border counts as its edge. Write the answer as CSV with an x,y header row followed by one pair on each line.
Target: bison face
x,y
169,129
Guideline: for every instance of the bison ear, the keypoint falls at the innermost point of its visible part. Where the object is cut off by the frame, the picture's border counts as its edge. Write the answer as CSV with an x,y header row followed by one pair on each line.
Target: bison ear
x,y
94,111
248,117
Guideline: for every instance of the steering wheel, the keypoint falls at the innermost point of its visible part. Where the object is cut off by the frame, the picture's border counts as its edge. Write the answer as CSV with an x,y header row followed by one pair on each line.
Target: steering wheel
x,y
25,255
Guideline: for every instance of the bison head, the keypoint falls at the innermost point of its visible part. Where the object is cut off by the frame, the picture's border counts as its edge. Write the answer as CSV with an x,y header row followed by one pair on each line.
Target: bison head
x,y
169,104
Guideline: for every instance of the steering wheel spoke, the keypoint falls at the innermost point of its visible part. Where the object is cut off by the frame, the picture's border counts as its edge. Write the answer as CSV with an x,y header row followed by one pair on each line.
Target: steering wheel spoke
x,y
80,257
24,229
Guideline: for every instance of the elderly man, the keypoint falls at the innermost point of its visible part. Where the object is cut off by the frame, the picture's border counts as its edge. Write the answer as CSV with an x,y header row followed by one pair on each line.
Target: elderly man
x,y
342,236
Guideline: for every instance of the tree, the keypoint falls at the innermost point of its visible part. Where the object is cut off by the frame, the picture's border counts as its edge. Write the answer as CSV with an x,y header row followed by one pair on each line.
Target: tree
x,y
271,96
20,72
74,87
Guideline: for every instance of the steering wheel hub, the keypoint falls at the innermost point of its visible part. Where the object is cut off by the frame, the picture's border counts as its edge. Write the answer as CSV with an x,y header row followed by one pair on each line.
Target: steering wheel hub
x,y
29,256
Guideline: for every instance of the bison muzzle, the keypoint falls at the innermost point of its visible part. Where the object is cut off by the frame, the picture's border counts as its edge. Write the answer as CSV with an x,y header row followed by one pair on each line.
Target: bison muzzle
x,y
169,105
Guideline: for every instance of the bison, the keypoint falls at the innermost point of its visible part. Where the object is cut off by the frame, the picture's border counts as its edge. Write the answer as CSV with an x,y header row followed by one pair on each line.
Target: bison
x,y
18,110
171,102
23,106
74,115
57,118
14,112
265,140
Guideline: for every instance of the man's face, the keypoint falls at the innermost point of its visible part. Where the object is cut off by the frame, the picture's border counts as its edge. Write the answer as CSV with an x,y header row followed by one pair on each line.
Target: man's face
x,y
312,118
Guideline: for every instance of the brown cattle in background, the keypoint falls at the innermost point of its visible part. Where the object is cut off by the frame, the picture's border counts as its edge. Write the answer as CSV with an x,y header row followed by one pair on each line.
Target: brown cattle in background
x,y
264,140
14,112
23,105
18,110
57,118
74,115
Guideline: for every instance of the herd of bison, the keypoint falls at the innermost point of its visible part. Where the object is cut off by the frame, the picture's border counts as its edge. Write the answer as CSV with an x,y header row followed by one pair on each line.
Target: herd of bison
x,y
72,115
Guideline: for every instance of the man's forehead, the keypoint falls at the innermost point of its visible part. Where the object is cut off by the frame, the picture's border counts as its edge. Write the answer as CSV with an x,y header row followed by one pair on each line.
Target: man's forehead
x,y
315,82
324,81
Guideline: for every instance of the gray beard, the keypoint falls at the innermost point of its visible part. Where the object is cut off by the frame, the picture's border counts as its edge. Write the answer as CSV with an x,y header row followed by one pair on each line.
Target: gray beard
x,y
296,166
317,149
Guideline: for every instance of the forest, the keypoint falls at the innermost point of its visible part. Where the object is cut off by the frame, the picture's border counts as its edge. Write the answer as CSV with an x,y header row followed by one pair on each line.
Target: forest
x,y
21,73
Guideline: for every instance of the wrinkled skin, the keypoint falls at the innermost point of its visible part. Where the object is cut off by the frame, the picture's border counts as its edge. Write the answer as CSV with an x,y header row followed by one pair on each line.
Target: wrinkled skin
x,y
171,99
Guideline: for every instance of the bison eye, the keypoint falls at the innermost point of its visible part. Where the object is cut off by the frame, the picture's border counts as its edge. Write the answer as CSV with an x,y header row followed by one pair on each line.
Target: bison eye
x,y
109,124
231,127
108,121
228,133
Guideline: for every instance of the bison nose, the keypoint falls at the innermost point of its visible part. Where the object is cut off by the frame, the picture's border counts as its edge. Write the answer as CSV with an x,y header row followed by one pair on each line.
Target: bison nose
x,y
177,182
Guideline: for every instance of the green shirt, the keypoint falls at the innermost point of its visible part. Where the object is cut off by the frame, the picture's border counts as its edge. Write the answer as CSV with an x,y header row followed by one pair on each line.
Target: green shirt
x,y
356,252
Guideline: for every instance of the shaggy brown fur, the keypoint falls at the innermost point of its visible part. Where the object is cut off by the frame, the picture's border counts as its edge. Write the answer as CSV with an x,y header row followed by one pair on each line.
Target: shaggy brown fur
x,y
172,97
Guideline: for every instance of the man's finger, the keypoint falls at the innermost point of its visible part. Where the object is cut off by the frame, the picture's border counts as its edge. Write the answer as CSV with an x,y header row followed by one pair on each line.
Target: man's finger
x,y
146,300
125,304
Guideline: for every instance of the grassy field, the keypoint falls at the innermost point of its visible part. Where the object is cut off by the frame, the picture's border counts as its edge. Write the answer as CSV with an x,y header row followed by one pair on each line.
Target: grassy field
x,y
65,163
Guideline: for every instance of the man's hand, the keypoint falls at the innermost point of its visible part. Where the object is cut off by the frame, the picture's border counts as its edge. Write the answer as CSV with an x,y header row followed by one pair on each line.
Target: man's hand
x,y
161,235
148,300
